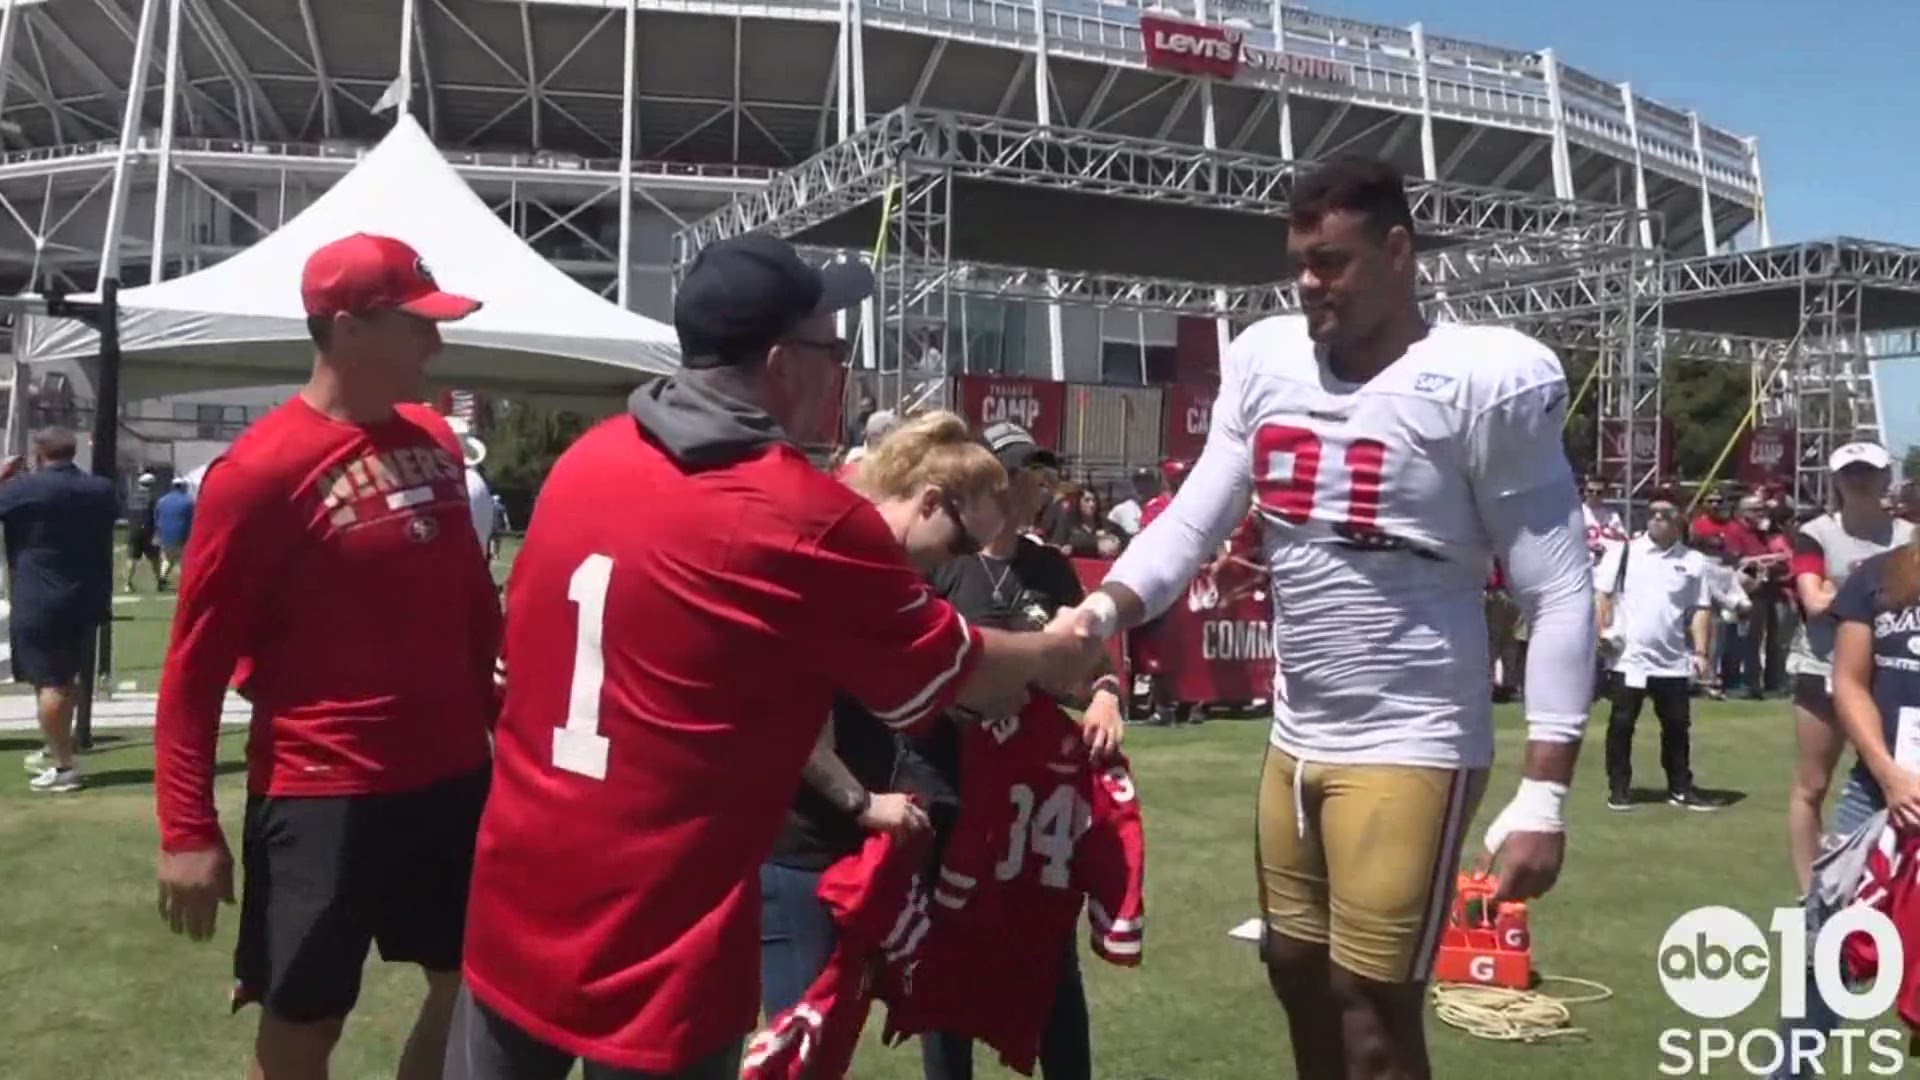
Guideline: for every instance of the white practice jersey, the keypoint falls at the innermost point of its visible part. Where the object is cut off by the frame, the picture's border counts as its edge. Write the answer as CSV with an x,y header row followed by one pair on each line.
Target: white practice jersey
x,y
1371,502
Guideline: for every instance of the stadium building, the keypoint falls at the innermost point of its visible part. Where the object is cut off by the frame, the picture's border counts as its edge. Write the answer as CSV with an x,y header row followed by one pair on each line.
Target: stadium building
x,y
1068,191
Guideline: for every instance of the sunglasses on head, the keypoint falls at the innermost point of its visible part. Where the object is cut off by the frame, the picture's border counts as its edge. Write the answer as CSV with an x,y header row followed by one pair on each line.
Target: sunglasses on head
x,y
963,541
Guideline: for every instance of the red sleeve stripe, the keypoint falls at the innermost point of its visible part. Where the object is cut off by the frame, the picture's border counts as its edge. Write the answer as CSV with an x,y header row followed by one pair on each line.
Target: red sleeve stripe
x,y
1109,925
917,708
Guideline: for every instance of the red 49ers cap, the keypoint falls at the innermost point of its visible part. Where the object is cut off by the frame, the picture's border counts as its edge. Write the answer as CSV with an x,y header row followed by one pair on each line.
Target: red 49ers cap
x,y
362,274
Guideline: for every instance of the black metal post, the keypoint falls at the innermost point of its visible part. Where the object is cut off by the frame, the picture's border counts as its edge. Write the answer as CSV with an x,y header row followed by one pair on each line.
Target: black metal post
x,y
104,318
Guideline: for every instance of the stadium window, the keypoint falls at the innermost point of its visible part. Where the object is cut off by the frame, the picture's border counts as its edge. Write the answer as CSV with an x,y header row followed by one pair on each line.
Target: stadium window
x,y
184,410
1121,363
1163,364
207,420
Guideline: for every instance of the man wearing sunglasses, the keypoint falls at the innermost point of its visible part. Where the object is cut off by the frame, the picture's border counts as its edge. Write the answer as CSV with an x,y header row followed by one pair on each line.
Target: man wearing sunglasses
x,y
1655,610
690,596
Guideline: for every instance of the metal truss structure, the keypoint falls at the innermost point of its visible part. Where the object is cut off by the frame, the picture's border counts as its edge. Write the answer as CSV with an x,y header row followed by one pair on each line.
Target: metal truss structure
x,y
964,147
1569,274
1549,198
917,166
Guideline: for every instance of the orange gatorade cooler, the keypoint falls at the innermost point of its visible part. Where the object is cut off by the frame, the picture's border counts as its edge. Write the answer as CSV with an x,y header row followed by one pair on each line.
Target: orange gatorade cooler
x,y
1484,946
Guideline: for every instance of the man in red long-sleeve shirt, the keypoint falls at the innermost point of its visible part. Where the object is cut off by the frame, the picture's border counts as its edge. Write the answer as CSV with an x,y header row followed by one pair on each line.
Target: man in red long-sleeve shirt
x,y
333,556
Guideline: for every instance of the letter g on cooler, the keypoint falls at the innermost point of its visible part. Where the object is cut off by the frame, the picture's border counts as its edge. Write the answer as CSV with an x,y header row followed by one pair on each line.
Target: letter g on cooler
x,y
1714,962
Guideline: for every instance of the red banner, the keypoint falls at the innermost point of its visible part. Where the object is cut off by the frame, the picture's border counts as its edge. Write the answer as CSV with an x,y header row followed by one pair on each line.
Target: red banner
x,y
1034,404
468,405
1766,457
1207,647
1190,48
1614,449
1196,351
1187,413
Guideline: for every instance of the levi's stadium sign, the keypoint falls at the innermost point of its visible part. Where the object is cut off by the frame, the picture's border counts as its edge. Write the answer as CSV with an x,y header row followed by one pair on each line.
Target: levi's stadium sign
x,y
1222,52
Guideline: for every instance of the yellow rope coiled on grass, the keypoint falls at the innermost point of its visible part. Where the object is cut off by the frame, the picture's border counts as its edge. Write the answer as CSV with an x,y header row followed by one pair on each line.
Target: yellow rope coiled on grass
x,y
1503,1015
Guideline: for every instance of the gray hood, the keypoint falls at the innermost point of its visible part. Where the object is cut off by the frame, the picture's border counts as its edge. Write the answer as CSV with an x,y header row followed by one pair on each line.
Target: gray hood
x,y
700,426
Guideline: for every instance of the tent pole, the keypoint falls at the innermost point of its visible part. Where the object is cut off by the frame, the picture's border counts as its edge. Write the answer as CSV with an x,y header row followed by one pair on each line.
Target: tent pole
x,y
626,161
157,267
105,318
406,56
129,132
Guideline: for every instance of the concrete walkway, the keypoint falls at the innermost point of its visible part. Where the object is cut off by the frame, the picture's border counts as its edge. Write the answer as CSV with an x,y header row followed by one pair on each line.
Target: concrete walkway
x,y
122,710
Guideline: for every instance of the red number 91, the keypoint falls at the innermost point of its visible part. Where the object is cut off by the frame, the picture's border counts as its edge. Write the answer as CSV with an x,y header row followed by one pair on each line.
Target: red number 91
x,y
1291,492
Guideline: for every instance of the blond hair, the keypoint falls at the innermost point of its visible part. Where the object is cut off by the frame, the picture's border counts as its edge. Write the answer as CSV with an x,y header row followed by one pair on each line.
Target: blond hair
x,y
934,449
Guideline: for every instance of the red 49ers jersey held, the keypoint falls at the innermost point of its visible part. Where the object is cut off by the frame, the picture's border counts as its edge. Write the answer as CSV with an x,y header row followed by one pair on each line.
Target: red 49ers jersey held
x,y
1373,499
1039,827
974,948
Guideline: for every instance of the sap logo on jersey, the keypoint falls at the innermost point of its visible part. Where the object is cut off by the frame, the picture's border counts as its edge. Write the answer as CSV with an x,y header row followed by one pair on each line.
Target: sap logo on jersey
x,y
1432,383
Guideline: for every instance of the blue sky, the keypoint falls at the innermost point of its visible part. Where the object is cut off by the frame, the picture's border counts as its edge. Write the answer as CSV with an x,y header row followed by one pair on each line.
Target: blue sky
x,y
1831,89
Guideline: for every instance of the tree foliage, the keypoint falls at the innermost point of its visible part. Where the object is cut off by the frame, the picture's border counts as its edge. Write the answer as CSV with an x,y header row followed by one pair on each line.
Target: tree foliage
x,y
523,441
1704,402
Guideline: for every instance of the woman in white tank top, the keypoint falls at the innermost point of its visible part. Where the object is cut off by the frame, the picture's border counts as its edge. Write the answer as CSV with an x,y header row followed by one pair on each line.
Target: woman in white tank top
x,y
1825,551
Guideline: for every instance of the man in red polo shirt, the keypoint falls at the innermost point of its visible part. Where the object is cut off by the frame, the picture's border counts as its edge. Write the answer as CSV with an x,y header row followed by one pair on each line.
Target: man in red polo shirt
x,y
332,550
690,595
1173,473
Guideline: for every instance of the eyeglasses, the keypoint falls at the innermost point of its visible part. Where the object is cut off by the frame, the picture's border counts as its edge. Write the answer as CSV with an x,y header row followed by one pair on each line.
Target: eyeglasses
x,y
963,542
835,348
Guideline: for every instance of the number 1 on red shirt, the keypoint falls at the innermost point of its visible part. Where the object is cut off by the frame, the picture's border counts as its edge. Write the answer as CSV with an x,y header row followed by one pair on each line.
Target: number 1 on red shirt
x,y
579,747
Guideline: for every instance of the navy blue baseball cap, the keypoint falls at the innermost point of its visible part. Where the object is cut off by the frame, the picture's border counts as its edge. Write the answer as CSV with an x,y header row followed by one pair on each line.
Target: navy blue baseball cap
x,y
745,293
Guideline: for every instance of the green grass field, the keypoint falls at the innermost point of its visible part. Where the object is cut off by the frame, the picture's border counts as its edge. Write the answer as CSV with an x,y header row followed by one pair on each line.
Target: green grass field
x,y
97,988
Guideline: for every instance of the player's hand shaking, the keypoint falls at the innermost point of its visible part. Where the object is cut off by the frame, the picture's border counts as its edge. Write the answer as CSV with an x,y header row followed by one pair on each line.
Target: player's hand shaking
x,y
1075,655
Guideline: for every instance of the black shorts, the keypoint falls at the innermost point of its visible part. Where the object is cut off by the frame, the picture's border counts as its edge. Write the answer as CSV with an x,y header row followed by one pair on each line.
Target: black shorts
x,y
140,544
1811,693
326,877
47,653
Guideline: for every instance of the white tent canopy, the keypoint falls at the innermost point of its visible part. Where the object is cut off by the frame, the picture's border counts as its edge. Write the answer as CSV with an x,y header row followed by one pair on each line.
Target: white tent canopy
x,y
240,321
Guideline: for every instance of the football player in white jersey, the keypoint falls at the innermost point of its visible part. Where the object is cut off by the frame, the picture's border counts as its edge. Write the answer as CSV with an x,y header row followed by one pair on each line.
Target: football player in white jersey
x,y
1388,459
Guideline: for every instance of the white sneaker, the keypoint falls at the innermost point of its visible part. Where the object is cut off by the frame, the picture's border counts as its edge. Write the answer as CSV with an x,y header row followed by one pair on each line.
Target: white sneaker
x,y
57,780
39,761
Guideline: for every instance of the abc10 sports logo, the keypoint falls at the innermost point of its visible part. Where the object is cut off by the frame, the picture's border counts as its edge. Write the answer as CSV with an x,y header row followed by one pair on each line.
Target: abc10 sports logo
x,y
1715,963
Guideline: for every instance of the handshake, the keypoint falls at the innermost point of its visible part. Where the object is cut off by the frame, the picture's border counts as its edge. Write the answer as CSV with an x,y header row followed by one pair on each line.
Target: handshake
x,y
1060,659
1078,653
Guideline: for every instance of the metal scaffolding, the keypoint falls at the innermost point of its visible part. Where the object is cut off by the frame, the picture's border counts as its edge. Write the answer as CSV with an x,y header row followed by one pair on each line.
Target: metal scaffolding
x,y
910,175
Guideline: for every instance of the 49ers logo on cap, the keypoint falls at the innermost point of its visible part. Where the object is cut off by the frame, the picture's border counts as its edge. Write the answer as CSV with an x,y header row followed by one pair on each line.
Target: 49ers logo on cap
x,y
422,529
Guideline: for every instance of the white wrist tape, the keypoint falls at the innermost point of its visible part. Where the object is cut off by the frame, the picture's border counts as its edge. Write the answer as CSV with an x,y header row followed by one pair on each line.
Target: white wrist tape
x,y
1545,727
1535,808
1105,614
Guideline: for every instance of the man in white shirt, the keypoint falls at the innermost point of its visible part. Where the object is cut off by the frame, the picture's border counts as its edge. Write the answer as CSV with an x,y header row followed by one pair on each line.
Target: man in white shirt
x,y
1655,609
1126,516
1605,530
1388,461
